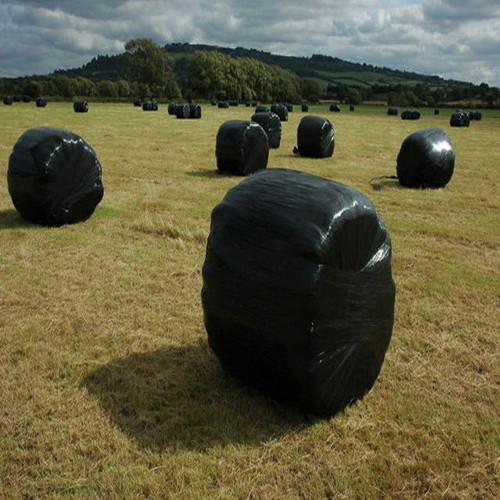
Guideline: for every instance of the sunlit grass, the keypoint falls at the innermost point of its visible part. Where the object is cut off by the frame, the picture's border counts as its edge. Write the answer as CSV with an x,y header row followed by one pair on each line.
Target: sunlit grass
x,y
108,388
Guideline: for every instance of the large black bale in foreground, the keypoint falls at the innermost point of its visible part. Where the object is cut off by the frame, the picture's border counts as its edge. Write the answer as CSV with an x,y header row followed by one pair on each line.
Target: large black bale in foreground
x,y
271,123
426,159
242,147
298,296
54,177
315,137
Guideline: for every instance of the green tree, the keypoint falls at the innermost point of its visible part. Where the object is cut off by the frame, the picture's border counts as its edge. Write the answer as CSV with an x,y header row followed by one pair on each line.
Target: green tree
x,y
148,65
353,96
311,89
32,88
107,88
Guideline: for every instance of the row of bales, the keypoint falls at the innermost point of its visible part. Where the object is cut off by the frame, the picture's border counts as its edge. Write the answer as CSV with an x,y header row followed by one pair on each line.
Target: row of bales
x,y
267,245
40,102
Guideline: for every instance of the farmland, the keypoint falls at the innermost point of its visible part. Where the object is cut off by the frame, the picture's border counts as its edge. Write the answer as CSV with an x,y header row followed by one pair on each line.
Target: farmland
x,y
108,388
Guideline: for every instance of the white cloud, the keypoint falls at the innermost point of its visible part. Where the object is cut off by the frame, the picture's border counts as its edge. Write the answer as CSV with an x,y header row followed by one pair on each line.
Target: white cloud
x,y
453,38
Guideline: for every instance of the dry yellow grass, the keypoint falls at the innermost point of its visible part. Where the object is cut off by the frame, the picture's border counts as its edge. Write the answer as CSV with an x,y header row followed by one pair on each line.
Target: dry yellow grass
x,y
108,388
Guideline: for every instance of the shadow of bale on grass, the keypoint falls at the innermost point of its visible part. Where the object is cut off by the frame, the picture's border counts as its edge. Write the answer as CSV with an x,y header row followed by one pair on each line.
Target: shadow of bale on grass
x,y
178,397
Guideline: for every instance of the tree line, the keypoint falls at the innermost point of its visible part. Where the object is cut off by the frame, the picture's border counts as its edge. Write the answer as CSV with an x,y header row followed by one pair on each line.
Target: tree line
x,y
147,71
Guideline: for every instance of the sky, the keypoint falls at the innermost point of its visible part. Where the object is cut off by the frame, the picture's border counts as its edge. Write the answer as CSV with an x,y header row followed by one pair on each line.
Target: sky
x,y
457,39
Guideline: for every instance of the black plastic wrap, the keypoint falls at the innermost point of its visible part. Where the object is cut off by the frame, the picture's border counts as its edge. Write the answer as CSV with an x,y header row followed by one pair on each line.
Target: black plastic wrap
x,y
262,109
426,159
137,103
304,108
54,177
40,102
298,296
150,105
8,100
315,137
335,108
460,119
223,104
81,106
410,114
194,110
241,147
271,123
392,111
182,110
436,111
281,110
172,108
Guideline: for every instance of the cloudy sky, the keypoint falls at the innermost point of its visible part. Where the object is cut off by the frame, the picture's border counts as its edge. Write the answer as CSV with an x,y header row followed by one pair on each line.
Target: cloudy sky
x,y
457,39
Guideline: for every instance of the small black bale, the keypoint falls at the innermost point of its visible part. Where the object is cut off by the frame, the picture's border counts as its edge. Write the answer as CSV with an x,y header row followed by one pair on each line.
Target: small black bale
x,y
436,111
475,115
262,109
335,108
271,124
408,114
41,102
8,100
242,147
26,98
304,108
17,98
392,111
289,107
54,177
182,111
298,296
81,106
150,105
460,119
223,104
234,102
351,108
315,137
194,110
281,110
426,159
137,103
172,107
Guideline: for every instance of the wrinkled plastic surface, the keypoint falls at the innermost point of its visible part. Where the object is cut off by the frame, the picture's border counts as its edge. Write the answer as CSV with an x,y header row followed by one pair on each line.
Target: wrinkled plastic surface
x,y
241,147
460,119
298,296
81,106
426,159
54,177
271,123
315,137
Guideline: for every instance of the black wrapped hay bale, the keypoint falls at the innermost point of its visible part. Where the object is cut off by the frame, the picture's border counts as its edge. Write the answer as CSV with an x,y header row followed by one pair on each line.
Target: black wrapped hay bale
x,y
194,111
150,105
26,98
81,106
460,119
315,137
223,105
298,296
335,108
172,107
8,100
281,110
436,111
410,114
271,124
182,111
241,147
426,159
41,102
392,111
476,115
54,177
304,108
137,103
262,109
351,108
289,107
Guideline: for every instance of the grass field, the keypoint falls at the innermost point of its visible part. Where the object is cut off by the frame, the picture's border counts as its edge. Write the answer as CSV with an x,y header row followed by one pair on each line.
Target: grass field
x,y
108,388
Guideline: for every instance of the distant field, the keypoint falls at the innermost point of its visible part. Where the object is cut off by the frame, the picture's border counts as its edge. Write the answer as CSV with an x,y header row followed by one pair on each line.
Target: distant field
x,y
108,388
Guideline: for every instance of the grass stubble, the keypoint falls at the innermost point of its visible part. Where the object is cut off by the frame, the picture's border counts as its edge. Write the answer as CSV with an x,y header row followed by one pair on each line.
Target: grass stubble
x,y
108,388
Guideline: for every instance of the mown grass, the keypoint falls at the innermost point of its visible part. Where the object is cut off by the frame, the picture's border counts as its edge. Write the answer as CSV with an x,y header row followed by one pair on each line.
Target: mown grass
x,y
108,388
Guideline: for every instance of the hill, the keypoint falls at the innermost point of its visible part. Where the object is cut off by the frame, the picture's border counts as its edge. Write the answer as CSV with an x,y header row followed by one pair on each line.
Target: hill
x,y
325,69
